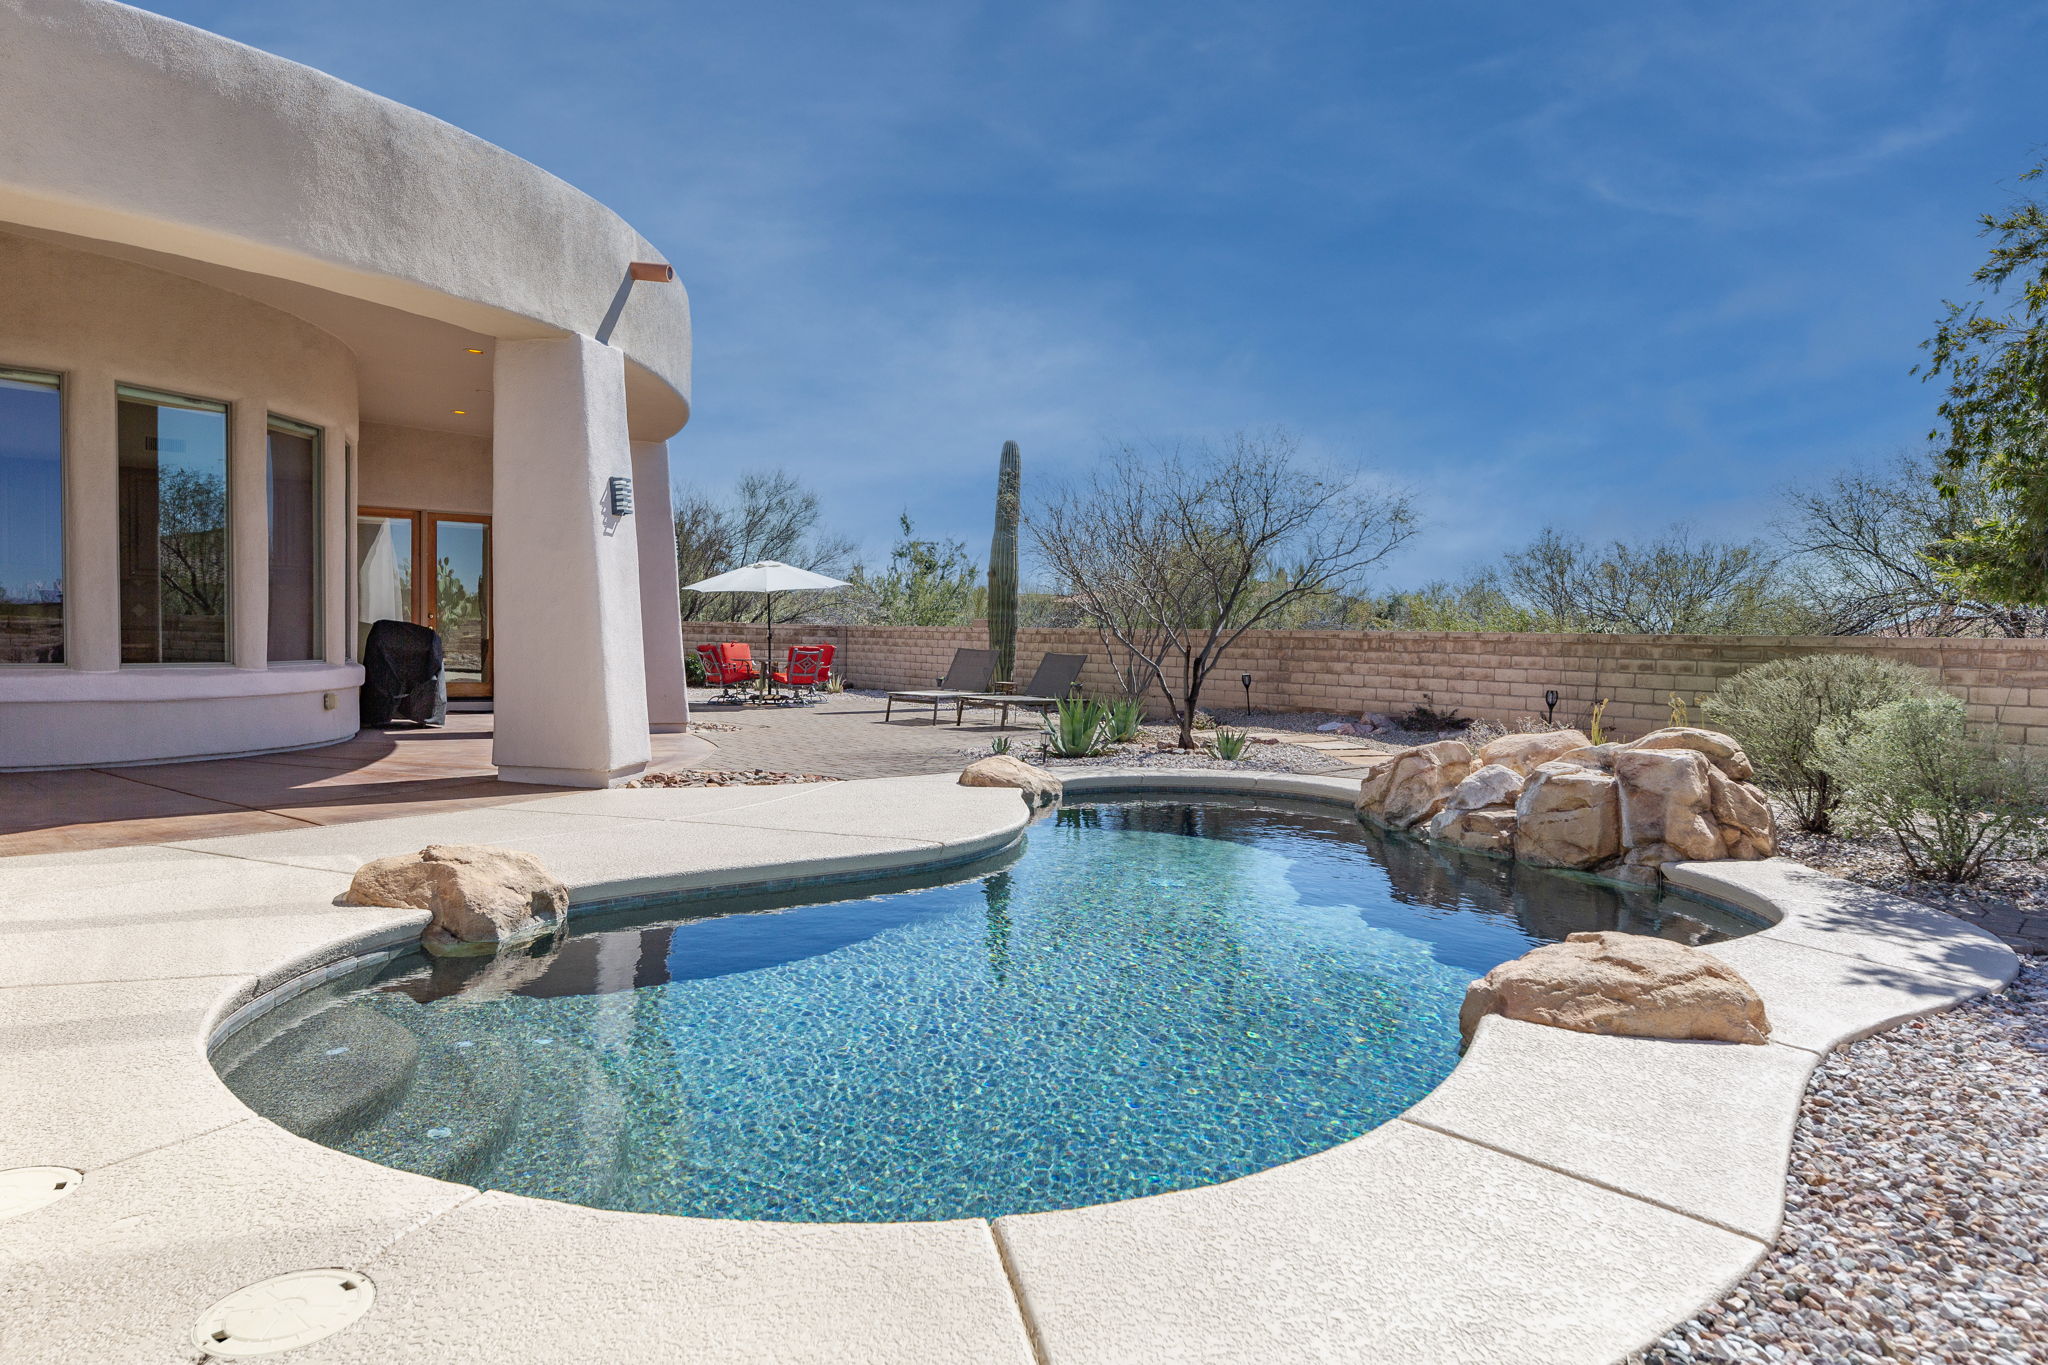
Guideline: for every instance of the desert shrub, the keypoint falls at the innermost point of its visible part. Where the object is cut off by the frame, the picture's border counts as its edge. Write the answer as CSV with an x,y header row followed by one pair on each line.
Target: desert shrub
x,y
1912,770
1779,709
1426,718
999,745
1230,744
693,669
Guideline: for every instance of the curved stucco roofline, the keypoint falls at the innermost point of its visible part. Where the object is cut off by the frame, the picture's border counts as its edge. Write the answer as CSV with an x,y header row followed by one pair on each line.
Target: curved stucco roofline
x,y
125,126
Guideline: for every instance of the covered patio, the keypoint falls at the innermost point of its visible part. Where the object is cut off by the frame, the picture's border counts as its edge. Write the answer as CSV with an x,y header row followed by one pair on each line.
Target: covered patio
x,y
378,775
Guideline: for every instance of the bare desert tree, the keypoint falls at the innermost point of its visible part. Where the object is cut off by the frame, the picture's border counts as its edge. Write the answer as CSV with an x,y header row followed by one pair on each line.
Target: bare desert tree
x,y
1873,548
1172,553
1676,584
770,516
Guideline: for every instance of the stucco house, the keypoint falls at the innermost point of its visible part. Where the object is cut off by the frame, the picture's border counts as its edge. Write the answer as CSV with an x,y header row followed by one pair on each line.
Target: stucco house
x,y
279,358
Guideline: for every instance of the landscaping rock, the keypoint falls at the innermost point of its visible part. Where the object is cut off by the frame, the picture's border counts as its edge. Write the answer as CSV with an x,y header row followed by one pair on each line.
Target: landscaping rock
x,y
1416,783
1569,815
1747,829
1493,785
1526,753
1040,788
1667,807
1490,829
481,898
1721,749
1623,984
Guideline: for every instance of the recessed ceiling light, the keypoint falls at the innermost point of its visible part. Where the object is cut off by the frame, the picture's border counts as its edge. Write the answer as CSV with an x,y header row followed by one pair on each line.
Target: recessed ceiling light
x,y
474,351
460,412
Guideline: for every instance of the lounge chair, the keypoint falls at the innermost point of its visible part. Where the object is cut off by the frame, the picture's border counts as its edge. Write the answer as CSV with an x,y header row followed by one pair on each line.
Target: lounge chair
x,y
970,672
1052,683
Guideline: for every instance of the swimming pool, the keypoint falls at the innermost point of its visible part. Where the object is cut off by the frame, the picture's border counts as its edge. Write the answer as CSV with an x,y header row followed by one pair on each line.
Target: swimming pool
x,y
1152,993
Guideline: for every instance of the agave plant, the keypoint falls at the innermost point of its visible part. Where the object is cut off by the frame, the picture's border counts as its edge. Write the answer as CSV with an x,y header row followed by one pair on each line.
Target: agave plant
x,y
1231,744
1075,730
1124,721
999,745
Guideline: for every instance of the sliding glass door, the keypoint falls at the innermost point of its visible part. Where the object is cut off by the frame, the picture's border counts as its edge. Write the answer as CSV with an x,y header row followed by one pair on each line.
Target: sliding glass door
x,y
433,568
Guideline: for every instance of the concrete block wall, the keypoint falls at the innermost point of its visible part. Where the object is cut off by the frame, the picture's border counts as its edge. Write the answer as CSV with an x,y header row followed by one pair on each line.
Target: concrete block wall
x,y
1485,675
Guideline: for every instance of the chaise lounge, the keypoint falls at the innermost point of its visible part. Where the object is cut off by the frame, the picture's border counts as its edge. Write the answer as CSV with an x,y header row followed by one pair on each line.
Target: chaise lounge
x,y
1051,683
968,675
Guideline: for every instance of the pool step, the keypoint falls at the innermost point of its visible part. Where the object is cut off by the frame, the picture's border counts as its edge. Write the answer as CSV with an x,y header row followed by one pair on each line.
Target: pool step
x,y
333,1069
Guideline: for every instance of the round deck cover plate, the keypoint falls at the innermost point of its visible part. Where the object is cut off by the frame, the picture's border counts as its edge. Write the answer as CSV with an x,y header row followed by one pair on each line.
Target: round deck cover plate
x,y
283,1312
27,1188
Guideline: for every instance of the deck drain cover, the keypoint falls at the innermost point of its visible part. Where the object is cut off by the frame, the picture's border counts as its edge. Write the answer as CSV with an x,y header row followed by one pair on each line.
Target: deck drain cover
x,y
283,1312
26,1188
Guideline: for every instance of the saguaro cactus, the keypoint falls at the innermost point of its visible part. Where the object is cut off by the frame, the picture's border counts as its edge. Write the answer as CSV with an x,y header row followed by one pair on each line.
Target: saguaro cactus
x,y
1002,561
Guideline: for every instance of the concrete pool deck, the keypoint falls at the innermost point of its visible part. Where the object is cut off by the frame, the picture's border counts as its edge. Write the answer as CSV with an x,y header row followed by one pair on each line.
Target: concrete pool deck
x,y
1561,1197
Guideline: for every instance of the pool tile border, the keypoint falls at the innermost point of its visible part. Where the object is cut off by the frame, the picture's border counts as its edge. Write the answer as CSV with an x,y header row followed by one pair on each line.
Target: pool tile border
x,y
1558,1198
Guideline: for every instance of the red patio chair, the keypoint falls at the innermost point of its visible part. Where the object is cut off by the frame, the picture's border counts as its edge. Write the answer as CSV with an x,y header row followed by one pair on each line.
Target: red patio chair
x,y
807,668
727,667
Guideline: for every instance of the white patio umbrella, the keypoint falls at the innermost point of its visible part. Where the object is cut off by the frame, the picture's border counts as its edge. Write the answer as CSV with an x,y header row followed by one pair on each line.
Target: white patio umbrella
x,y
768,576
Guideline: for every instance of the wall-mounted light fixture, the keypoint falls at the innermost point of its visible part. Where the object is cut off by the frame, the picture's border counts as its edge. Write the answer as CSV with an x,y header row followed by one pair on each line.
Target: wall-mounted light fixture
x,y
654,272
620,499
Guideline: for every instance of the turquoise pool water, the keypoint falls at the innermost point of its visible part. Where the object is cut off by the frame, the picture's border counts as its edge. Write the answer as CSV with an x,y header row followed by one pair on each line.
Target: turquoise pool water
x,y
1150,995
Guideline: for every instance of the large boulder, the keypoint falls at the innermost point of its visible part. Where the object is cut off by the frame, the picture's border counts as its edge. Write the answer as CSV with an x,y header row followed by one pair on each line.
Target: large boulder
x,y
1526,753
1040,788
480,898
1489,829
1492,785
1667,806
1624,984
1747,829
1569,815
1720,749
1415,785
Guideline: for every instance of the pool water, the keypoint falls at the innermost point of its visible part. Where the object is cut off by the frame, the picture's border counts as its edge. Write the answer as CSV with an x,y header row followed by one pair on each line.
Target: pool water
x,y
1150,995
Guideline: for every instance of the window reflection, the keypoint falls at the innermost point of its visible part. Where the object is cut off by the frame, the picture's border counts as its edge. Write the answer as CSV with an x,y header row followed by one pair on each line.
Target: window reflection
x,y
294,541
31,519
174,528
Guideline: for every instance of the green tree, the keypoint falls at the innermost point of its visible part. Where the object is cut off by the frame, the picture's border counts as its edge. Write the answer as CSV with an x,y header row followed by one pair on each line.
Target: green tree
x,y
1993,351
927,583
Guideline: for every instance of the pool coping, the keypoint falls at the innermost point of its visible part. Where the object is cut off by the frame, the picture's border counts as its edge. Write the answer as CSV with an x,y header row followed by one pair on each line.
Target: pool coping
x,y
1560,1197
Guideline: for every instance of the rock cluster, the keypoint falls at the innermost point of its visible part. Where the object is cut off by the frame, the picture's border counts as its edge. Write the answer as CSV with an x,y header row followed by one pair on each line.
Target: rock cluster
x,y
1556,799
1623,984
481,898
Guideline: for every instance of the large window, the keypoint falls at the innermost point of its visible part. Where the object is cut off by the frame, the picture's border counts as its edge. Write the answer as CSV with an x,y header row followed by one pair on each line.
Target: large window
x,y
294,541
31,518
174,528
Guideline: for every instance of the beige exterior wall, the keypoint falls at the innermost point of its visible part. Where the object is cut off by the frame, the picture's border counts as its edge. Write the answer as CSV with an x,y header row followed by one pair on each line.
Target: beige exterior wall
x,y
99,323
417,469
1483,675
126,126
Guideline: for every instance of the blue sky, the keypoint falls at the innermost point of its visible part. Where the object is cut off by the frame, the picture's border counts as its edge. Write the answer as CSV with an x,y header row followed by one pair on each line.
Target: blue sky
x,y
1597,265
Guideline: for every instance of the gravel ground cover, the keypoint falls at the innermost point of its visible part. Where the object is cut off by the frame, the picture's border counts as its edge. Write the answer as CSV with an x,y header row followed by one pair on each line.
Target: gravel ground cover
x,y
725,777
1916,1220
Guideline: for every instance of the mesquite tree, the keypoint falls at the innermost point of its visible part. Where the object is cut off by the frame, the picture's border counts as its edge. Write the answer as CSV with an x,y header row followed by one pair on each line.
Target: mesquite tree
x,y
1173,554
1002,561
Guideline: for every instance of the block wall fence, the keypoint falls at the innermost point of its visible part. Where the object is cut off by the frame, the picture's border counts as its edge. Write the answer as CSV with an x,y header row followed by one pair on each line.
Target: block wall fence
x,y
1484,675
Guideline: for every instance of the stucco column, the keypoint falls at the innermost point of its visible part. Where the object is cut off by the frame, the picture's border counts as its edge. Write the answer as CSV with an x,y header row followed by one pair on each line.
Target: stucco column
x,y
569,676
661,616
92,523
249,533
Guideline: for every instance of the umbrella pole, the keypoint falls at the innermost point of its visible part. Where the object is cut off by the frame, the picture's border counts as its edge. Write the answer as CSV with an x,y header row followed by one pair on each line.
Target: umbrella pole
x,y
768,664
